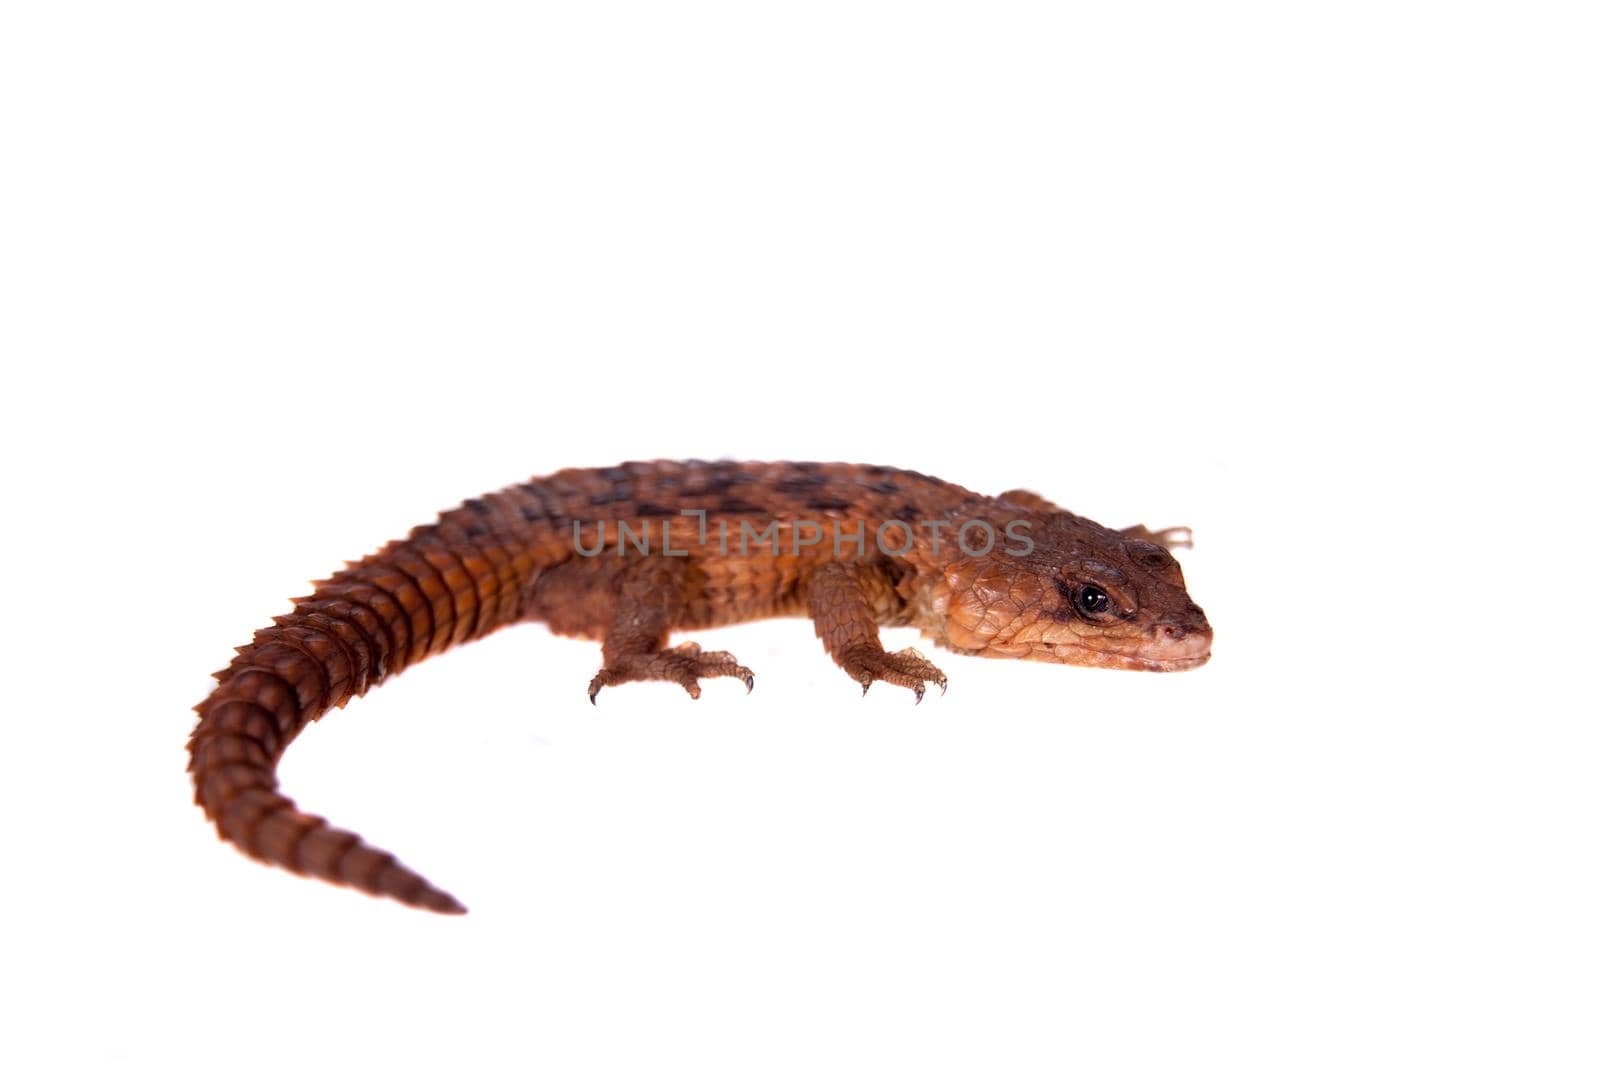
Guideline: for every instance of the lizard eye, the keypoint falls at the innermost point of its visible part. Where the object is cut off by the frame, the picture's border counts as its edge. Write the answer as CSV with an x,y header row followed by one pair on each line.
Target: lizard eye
x,y
1092,600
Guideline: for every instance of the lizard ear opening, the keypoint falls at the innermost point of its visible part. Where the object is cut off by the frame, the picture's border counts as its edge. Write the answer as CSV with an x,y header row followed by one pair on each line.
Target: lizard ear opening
x,y
955,599
985,601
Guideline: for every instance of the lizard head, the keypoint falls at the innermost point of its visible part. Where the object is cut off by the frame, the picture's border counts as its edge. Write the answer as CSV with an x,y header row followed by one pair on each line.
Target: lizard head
x,y
1082,594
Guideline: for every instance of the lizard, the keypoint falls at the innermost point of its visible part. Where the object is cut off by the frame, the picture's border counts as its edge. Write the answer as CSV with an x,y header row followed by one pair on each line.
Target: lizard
x,y
627,555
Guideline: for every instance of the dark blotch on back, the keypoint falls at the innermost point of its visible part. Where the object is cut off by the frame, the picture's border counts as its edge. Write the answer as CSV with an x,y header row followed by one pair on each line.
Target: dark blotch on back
x,y
801,486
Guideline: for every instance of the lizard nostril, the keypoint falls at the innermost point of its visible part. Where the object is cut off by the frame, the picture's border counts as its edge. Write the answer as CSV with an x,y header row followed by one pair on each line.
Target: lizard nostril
x,y
1174,633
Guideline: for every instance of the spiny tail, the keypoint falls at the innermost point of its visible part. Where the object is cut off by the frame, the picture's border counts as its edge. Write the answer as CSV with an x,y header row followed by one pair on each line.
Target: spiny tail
x,y
234,752
453,581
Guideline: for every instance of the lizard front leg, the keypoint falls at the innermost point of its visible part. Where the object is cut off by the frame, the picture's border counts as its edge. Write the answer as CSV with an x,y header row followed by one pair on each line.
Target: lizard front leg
x,y
847,601
649,596
1171,537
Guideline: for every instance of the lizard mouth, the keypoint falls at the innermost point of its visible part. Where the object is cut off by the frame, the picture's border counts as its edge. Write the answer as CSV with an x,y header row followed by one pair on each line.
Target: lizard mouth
x,y
1162,663
1167,655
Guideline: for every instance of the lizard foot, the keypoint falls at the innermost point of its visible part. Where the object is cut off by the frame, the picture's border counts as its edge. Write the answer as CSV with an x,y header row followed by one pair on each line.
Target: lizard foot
x,y
685,665
1171,537
908,668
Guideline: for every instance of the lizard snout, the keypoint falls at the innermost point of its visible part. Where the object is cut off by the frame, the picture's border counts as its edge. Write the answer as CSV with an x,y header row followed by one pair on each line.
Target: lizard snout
x,y
1184,641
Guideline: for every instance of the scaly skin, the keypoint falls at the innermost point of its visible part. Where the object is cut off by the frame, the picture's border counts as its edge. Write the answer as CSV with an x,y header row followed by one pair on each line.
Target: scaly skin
x,y
1066,590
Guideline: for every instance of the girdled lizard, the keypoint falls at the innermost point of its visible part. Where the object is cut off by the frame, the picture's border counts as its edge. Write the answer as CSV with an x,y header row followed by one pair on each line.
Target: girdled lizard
x,y
627,555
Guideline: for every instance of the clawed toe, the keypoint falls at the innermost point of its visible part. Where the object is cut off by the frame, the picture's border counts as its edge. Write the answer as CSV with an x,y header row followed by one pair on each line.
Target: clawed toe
x,y
686,664
1169,538
908,668
1175,537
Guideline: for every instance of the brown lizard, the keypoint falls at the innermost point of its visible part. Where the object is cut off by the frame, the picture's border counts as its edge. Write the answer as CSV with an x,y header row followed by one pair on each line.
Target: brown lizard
x,y
626,555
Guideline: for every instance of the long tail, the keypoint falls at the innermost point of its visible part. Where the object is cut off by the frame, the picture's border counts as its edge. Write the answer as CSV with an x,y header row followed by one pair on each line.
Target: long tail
x,y
452,581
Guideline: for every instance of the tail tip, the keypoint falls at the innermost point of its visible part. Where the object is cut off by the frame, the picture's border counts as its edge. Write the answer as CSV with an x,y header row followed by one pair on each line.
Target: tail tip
x,y
408,888
442,903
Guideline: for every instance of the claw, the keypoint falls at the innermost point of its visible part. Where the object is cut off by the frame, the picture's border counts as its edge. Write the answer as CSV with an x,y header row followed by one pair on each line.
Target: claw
x,y
908,668
685,664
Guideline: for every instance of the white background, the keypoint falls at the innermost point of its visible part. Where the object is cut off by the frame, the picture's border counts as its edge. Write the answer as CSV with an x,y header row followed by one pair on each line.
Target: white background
x,y
281,281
